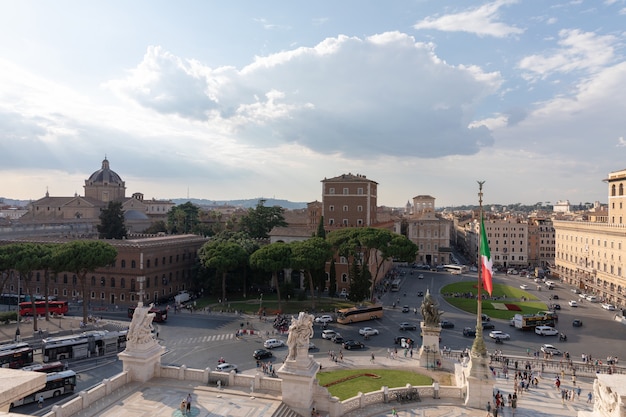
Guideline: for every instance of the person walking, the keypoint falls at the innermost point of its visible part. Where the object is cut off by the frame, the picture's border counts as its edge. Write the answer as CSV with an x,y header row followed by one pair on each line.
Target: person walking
x,y
188,403
488,409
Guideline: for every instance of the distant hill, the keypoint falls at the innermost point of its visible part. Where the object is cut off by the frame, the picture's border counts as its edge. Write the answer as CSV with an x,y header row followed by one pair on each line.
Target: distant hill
x,y
13,203
249,203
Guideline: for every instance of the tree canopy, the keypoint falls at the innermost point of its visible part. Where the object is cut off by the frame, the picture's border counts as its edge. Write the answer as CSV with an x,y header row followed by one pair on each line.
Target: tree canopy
x,y
223,256
272,258
112,225
259,221
183,218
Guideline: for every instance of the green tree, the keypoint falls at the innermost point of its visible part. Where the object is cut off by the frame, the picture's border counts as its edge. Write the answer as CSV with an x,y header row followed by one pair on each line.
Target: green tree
x,y
156,227
259,221
310,255
223,256
82,257
370,246
246,242
183,218
272,258
321,232
112,224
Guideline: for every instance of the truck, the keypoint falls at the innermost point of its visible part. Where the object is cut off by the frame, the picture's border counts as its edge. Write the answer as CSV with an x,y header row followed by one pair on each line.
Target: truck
x,y
182,297
530,321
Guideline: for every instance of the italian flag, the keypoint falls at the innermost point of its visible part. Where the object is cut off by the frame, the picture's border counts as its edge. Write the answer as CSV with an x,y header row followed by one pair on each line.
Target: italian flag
x,y
486,266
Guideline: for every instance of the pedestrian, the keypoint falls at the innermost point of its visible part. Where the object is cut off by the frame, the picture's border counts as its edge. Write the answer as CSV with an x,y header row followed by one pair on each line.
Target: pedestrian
x,y
393,411
372,360
589,397
488,409
40,401
578,392
188,403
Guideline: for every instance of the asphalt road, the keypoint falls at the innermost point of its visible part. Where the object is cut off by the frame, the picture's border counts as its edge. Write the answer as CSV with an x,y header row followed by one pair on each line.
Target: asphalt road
x,y
199,340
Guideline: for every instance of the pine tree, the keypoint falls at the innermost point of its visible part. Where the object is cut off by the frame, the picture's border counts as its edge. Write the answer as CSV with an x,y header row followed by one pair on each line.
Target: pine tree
x,y
112,224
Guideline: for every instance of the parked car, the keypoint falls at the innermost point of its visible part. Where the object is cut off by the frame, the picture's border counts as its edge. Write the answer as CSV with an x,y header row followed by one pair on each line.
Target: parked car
x,y
352,344
577,323
575,290
420,276
546,331
328,334
273,343
592,298
367,331
609,307
407,326
262,354
555,306
406,309
312,346
497,334
420,293
572,303
550,350
326,318
524,286
554,297
485,317
226,367
446,324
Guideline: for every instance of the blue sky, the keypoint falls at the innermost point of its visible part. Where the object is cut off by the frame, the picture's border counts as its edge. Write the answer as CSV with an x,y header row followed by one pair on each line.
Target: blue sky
x,y
246,99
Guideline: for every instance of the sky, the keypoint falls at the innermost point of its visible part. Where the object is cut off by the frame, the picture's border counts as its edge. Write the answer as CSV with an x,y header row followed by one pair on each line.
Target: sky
x,y
245,99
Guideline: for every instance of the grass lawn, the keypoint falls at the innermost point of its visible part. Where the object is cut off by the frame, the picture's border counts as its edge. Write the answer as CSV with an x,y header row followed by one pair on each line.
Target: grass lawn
x,y
506,294
346,384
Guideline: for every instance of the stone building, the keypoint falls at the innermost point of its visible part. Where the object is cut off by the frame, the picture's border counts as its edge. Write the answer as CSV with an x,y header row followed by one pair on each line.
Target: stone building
x,y
102,187
349,201
429,231
168,264
590,254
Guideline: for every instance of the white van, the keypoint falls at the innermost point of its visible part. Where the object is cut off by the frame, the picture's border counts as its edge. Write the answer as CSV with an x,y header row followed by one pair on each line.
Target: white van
x,y
592,298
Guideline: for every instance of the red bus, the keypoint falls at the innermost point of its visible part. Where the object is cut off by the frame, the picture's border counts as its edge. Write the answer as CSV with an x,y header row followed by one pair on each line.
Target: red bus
x,y
54,307
16,355
160,314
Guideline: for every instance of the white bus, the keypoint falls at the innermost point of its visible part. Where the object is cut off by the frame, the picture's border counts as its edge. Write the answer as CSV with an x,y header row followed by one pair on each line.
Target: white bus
x,y
84,345
395,284
456,269
57,383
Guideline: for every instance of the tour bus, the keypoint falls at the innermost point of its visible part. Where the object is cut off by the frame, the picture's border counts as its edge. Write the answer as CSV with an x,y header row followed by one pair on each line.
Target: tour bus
x,y
46,368
54,307
395,284
57,383
530,321
359,313
15,355
84,345
160,314
456,269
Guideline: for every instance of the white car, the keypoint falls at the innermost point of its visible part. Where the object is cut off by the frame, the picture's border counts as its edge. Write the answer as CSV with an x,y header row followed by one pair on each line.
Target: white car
x,y
273,343
226,367
497,334
546,331
367,331
524,286
609,307
583,296
328,334
550,350
324,319
573,303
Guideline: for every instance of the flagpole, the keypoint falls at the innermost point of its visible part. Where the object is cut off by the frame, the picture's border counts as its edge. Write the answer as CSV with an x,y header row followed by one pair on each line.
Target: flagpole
x,y
478,347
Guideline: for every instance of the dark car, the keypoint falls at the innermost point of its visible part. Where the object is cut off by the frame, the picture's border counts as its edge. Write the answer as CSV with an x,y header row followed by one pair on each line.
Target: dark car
x,y
420,293
487,325
262,354
469,332
554,297
406,309
445,324
337,338
407,326
555,306
352,344
577,323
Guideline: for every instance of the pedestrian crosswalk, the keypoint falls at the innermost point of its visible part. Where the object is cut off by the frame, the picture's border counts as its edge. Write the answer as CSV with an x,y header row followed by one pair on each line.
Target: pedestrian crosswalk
x,y
201,339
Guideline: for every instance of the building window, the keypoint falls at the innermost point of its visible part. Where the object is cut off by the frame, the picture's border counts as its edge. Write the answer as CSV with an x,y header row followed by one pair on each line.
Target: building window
x,y
122,282
156,262
331,208
102,282
93,295
613,190
93,281
122,297
345,222
345,208
74,280
112,282
359,191
621,189
344,278
147,282
102,296
331,190
359,208
123,263
64,278
331,222
148,263
133,264
343,260
359,222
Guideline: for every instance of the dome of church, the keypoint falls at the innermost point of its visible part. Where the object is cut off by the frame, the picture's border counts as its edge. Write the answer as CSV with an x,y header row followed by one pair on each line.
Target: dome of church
x,y
135,215
105,175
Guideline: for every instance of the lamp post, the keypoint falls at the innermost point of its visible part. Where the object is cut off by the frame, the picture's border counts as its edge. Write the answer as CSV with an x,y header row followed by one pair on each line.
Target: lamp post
x,y
261,305
17,330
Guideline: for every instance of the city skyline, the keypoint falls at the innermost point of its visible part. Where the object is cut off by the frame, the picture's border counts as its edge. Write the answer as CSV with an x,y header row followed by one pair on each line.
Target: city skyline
x,y
237,101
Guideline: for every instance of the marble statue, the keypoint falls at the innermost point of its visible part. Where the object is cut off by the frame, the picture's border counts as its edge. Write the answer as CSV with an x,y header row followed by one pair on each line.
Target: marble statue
x,y
300,331
430,311
140,330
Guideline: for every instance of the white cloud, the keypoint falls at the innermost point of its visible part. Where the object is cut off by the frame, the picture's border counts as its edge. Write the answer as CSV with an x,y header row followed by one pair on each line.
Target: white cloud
x,y
481,21
386,90
580,51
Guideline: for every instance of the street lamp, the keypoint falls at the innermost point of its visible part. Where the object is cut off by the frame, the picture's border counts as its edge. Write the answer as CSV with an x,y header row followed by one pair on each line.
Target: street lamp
x,y
261,305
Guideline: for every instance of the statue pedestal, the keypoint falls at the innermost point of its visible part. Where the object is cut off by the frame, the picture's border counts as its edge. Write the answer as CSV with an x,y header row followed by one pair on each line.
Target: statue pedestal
x,y
142,362
298,376
479,383
429,354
